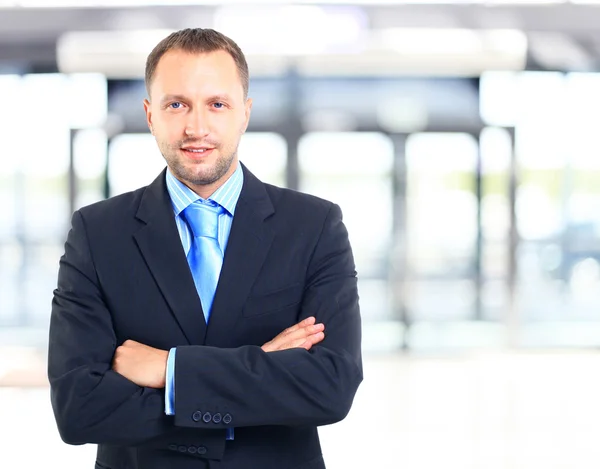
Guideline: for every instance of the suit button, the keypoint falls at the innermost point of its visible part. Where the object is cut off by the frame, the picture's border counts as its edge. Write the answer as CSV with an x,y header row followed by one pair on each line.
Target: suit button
x,y
173,447
201,450
196,416
206,418
182,449
217,418
192,449
227,419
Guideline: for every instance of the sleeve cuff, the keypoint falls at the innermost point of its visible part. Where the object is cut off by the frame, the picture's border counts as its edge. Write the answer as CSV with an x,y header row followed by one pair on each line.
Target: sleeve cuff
x,y
170,383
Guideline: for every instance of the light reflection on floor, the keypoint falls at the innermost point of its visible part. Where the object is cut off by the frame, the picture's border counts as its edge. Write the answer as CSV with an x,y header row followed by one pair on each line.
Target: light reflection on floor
x,y
483,410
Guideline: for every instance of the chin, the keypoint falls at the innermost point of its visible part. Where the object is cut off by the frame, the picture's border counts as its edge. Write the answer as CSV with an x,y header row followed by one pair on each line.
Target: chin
x,y
204,178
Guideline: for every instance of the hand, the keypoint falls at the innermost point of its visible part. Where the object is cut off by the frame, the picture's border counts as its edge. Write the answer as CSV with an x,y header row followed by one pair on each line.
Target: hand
x,y
144,365
305,334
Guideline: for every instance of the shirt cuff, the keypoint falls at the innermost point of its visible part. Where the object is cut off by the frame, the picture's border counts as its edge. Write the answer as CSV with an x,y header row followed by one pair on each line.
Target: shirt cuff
x,y
170,383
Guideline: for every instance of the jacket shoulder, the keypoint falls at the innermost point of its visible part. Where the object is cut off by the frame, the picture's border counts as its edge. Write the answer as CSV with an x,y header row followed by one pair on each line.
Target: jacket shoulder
x,y
289,198
113,208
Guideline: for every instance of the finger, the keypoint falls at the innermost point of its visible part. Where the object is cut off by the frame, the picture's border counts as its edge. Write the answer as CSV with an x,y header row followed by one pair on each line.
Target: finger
x,y
115,362
313,340
291,334
306,343
301,342
305,322
269,346
303,332
299,336
282,341
281,344
316,338
308,321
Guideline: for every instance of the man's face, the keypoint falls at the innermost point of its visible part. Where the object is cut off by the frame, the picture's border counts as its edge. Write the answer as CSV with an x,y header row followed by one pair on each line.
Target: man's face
x,y
197,113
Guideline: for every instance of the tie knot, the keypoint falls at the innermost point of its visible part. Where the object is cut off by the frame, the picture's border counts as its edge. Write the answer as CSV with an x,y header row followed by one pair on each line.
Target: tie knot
x,y
203,218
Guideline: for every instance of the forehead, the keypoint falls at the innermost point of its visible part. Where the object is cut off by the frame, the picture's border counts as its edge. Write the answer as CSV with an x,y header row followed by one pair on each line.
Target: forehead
x,y
180,72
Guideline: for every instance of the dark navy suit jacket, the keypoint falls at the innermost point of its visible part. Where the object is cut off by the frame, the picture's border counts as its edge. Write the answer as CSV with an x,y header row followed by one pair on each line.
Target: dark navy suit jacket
x,y
124,275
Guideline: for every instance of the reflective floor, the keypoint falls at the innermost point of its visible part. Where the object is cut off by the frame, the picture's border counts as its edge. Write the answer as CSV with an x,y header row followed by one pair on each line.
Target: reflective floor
x,y
481,410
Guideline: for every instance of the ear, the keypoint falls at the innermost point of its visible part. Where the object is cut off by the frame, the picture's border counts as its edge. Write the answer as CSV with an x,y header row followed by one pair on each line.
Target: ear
x,y
148,112
247,112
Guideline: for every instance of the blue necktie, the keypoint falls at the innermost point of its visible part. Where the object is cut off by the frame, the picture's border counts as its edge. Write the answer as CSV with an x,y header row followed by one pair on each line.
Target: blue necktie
x,y
205,256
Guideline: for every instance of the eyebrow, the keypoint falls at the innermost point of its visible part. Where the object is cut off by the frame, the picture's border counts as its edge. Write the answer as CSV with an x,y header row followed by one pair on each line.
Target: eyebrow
x,y
220,97
172,97
180,97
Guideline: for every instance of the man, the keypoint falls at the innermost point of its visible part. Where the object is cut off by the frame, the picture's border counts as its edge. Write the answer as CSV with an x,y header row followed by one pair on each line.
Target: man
x,y
149,356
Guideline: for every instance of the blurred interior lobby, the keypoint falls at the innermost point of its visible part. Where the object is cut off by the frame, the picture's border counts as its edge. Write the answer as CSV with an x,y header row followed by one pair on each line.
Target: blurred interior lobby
x,y
457,136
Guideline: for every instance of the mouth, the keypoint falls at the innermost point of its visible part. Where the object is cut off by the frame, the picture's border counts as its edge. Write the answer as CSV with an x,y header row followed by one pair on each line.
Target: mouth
x,y
197,152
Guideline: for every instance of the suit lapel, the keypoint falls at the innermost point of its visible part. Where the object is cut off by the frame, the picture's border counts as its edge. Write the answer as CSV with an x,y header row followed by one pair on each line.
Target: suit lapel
x,y
160,245
247,248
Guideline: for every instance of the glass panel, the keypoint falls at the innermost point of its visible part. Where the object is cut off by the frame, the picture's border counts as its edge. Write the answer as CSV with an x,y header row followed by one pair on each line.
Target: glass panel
x,y
265,155
496,150
45,168
46,197
499,98
87,100
441,225
558,201
33,175
13,114
11,271
12,117
134,161
542,160
89,158
580,260
354,170
34,167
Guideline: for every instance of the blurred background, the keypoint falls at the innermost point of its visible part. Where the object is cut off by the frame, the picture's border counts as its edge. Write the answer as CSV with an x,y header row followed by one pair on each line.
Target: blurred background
x,y
460,140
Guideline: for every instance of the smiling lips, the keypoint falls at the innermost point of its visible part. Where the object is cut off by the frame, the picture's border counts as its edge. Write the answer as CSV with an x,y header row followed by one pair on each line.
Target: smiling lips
x,y
197,151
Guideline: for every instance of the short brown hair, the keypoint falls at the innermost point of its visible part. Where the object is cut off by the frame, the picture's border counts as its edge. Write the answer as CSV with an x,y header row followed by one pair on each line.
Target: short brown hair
x,y
197,40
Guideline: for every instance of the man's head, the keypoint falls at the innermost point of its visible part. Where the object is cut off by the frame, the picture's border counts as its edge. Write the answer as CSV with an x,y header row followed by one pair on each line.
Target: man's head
x,y
197,41
197,106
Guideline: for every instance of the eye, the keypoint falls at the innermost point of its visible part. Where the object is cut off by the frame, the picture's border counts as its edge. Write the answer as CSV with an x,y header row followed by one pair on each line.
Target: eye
x,y
219,105
175,105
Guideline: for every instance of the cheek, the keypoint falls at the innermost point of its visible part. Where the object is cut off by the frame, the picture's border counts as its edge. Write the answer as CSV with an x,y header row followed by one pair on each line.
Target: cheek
x,y
171,131
170,123
238,127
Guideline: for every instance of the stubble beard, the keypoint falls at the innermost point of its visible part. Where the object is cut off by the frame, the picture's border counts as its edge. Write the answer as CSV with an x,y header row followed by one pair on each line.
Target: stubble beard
x,y
201,173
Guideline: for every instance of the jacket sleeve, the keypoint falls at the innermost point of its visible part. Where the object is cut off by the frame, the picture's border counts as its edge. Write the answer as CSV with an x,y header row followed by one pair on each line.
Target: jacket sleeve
x,y
247,387
91,402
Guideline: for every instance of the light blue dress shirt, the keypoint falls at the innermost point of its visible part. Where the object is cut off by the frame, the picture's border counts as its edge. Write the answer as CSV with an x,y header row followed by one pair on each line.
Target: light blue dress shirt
x,y
181,196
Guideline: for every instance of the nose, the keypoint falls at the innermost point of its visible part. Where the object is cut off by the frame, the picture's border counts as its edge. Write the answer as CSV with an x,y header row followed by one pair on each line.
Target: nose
x,y
197,124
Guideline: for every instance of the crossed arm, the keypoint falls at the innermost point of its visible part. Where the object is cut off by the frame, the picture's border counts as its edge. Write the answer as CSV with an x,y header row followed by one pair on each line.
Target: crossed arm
x,y
146,366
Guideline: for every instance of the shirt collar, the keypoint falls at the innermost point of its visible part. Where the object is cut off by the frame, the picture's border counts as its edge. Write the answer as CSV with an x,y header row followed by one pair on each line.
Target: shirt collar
x,y
226,196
